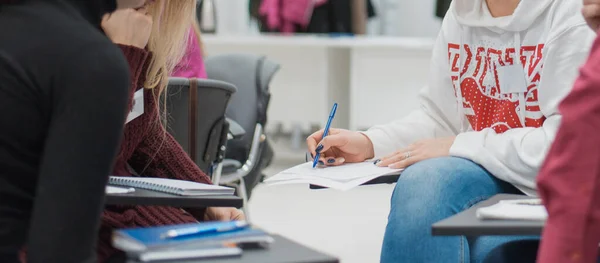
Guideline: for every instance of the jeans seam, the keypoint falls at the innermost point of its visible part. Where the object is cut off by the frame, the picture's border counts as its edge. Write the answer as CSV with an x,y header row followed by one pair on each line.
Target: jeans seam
x,y
462,250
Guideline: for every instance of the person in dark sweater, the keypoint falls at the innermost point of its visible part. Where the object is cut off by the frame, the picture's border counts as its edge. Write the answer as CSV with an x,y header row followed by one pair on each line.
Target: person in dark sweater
x,y
63,97
147,149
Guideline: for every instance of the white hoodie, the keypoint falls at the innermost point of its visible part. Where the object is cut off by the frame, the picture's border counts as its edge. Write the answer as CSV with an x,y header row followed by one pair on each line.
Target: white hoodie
x,y
505,124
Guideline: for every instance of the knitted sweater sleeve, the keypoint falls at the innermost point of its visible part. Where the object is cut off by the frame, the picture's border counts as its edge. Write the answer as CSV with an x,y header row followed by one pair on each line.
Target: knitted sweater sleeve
x,y
161,156
158,154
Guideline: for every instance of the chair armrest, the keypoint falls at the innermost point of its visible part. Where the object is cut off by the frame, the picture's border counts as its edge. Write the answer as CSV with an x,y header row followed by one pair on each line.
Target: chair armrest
x,y
235,129
204,84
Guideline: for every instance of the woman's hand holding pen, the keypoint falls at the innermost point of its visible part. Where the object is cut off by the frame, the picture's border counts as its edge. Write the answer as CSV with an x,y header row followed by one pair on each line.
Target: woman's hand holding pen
x,y
340,146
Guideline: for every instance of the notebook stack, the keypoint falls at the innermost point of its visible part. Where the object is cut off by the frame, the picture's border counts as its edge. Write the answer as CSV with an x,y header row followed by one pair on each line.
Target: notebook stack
x,y
189,241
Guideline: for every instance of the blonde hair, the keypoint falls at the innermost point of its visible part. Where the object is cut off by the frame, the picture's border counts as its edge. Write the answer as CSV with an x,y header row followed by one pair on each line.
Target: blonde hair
x,y
168,40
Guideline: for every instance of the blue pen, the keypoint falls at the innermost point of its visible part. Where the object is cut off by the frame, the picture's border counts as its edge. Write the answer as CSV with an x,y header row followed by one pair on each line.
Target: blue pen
x,y
331,115
200,230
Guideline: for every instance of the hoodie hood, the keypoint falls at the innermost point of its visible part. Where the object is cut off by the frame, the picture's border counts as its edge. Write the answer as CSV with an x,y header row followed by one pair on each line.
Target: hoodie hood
x,y
475,13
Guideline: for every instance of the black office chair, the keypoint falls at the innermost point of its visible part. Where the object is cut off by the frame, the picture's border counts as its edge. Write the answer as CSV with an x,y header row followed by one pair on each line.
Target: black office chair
x,y
195,111
247,156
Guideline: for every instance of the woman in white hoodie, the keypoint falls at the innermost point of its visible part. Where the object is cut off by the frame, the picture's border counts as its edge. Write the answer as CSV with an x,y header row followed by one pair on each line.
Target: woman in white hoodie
x,y
485,122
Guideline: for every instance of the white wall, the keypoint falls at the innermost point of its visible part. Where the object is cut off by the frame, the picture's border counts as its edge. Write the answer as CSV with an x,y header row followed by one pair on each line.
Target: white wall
x,y
232,17
405,18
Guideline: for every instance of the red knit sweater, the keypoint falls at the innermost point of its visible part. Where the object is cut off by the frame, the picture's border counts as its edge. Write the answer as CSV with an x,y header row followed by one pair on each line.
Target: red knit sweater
x,y
150,151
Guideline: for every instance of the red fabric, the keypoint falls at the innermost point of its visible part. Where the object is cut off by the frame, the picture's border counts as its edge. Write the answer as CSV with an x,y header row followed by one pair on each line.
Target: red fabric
x,y
284,15
485,105
150,151
569,181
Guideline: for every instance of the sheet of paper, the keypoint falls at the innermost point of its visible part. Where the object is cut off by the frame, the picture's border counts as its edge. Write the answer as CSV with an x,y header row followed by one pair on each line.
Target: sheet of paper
x,y
514,210
138,106
344,177
119,190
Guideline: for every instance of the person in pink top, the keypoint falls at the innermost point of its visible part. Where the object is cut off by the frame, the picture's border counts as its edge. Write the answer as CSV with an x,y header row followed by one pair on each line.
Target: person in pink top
x,y
192,64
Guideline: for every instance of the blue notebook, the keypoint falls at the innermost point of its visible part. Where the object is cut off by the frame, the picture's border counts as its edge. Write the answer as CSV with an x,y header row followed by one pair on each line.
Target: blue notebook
x,y
138,240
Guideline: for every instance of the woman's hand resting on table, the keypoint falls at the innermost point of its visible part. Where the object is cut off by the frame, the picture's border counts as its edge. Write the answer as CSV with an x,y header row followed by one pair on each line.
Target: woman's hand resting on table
x,y
128,27
223,214
340,146
419,151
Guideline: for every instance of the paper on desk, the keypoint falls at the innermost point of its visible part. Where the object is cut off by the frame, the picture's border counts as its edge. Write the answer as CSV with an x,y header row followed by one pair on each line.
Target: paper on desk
x,y
344,177
525,209
119,190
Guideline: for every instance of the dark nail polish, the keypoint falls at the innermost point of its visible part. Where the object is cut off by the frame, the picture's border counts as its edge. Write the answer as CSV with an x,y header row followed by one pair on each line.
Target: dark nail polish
x,y
331,161
377,161
319,148
321,163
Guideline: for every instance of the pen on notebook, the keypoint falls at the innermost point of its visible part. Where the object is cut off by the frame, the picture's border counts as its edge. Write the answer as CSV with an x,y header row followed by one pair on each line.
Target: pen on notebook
x,y
325,132
195,230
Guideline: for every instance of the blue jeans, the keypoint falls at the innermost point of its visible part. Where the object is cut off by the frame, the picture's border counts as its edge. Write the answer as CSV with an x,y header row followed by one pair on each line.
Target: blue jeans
x,y
428,192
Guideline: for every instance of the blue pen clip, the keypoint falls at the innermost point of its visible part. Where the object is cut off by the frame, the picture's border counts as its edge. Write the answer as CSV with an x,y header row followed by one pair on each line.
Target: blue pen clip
x,y
196,230
326,132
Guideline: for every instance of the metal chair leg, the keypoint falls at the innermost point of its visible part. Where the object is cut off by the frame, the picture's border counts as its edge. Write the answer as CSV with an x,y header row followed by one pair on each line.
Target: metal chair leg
x,y
297,138
244,195
216,176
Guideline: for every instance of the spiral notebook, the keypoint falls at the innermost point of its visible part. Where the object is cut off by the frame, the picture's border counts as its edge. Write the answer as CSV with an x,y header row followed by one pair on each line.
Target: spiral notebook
x,y
171,186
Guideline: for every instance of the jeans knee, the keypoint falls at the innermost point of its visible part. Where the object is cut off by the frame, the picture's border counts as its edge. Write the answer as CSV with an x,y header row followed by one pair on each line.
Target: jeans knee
x,y
429,178
427,186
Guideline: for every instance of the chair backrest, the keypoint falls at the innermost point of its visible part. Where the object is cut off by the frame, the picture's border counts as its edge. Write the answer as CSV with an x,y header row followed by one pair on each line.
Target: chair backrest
x,y
251,74
196,117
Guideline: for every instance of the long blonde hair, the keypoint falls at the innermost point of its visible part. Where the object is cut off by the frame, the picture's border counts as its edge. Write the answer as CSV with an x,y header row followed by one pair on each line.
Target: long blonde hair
x,y
168,40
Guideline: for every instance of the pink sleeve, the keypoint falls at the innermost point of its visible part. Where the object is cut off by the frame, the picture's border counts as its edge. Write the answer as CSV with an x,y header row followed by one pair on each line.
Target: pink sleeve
x,y
192,64
569,181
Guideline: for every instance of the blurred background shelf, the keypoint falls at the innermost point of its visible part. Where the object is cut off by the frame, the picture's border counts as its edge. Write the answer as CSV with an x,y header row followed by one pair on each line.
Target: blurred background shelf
x,y
374,79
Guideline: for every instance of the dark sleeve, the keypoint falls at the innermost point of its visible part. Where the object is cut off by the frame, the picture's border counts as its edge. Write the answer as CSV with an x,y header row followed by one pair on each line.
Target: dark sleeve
x,y
88,101
569,181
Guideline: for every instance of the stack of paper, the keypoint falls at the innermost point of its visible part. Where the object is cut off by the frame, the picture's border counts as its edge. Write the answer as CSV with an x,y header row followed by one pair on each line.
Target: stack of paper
x,y
343,177
524,209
